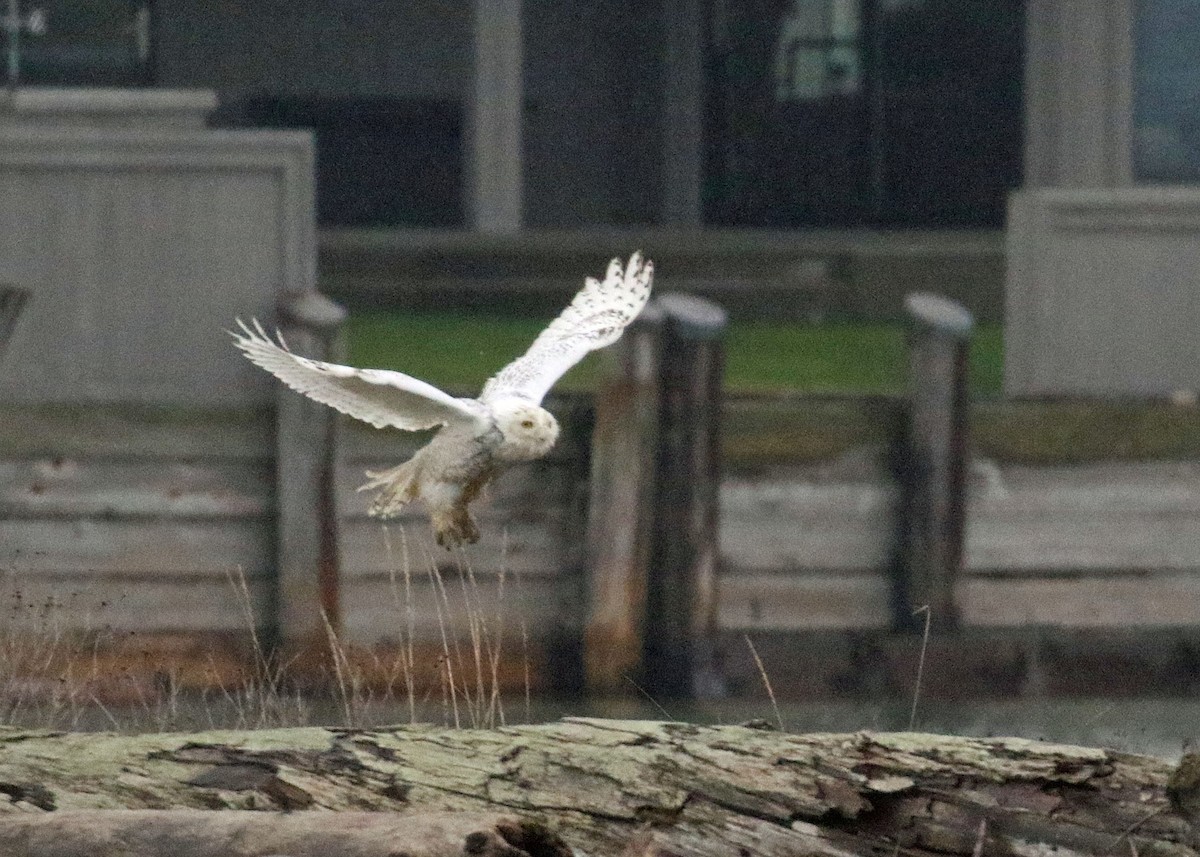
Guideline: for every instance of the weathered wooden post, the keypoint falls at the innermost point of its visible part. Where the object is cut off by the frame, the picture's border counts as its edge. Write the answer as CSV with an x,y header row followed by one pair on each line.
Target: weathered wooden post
x,y
307,586
622,505
12,301
682,599
652,526
933,503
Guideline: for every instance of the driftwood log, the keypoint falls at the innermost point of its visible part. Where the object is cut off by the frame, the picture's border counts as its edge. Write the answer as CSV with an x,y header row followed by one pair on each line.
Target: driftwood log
x,y
611,787
240,833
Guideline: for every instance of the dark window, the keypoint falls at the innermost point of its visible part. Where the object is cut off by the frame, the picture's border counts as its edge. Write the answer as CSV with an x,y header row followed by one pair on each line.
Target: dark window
x,y
1166,91
83,42
380,161
864,112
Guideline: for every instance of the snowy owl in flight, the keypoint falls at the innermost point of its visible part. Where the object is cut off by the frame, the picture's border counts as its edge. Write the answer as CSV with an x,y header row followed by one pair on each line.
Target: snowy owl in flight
x,y
479,437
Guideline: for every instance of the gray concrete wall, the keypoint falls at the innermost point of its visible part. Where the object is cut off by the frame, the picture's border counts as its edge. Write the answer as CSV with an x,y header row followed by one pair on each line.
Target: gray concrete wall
x,y
140,246
1103,291
1101,280
1078,93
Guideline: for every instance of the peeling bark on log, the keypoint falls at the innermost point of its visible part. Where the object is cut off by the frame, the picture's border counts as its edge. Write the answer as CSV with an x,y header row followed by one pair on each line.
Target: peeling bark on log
x,y
197,833
639,788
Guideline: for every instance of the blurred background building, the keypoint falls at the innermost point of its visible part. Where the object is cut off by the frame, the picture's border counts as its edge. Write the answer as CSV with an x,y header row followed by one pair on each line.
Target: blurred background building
x,y
892,133
845,113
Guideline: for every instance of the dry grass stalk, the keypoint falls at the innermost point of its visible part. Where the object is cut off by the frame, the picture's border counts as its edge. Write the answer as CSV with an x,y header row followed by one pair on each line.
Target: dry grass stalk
x,y
449,685
912,715
404,604
343,673
52,678
762,672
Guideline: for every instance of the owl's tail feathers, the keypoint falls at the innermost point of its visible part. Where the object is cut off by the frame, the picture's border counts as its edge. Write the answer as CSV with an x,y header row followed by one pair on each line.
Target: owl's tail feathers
x,y
397,487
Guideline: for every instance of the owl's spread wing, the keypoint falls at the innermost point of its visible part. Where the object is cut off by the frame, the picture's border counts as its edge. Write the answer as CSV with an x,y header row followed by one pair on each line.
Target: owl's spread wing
x,y
595,318
376,396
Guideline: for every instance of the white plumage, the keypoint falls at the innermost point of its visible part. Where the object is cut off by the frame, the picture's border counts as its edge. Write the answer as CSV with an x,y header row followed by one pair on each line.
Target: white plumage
x,y
479,437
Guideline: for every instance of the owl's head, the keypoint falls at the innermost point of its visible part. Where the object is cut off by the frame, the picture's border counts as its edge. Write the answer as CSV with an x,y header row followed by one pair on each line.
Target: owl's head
x,y
529,431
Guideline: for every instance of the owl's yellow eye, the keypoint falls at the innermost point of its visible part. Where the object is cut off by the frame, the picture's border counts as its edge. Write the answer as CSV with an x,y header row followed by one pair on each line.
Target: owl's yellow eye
x,y
526,423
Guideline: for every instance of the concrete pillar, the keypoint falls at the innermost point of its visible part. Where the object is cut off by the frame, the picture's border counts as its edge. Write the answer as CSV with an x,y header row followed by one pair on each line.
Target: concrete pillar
x,y
1079,93
495,118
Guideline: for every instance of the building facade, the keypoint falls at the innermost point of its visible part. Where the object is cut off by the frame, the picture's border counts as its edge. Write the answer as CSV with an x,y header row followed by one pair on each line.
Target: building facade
x,y
502,115
1076,124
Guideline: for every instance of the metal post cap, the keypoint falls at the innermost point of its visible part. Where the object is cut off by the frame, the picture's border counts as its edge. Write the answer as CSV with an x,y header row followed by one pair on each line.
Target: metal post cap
x,y
939,313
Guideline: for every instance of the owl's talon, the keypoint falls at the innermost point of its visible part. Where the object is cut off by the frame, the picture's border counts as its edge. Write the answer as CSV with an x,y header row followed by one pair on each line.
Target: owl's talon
x,y
456,529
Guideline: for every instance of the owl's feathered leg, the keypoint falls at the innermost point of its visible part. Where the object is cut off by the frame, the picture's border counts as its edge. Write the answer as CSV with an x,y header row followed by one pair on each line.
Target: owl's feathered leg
x,y
454,526
445,490
398,486
448,508
447,501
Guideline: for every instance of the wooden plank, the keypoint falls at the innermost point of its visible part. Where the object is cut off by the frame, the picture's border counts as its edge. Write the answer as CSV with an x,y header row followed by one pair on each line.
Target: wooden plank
x,y
1096,517
1032,540
800,546
539,548
789,494
1077,430
379,610
1106,486
784,524
1162,599
134,432
785,430
63,487
1065,519
801,602
788,602
79,600
97,546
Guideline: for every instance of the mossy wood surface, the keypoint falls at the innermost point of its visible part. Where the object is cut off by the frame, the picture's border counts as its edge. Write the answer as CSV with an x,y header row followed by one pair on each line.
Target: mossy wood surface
x,y
629,787
237,833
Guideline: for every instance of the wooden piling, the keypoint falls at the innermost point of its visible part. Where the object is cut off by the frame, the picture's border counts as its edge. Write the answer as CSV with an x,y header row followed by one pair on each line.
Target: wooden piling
x,y
306,604
682,598
652,533
934,467
621,506
12,301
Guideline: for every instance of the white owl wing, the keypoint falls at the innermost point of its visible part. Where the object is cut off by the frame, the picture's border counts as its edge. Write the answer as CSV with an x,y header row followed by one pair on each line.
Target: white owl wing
x,y
595,318
376,396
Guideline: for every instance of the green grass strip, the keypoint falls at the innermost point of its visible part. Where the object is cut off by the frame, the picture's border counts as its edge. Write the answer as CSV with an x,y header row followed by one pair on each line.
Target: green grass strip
x,y
459,352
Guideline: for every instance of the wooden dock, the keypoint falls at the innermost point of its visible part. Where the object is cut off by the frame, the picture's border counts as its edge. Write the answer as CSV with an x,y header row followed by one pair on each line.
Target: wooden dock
x,y
130,531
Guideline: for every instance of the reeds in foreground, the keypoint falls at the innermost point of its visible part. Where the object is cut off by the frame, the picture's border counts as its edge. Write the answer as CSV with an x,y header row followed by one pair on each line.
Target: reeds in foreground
x,y
61,669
